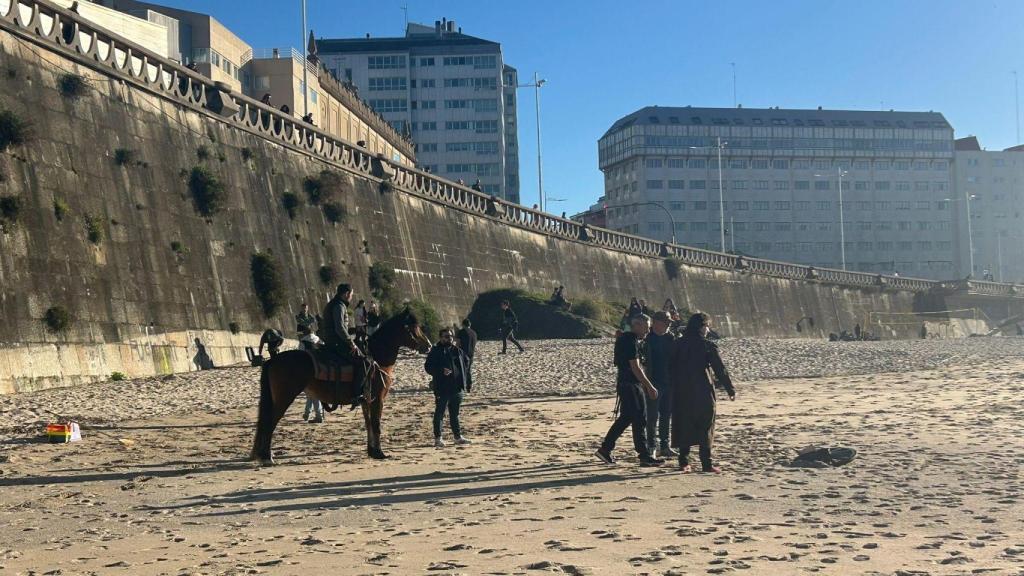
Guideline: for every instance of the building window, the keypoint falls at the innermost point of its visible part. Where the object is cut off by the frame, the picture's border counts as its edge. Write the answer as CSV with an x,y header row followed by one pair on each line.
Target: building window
x,y
782,205
655,184
824,205
428,104
426,61
822,185
781,185
700,205
676,184
699,226
760,204
739,184
903,205
741,205
428,83
698,184
802,204
780,164
903,186
676,163
653,163
802,185
427,147
901,165
760,184
697,163
737,164
387,83
389,105
783,226
759,164
882,185
385,62
262,83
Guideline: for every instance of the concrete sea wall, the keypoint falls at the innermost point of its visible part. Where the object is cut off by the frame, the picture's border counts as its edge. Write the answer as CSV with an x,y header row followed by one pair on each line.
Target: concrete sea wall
x,y
109,231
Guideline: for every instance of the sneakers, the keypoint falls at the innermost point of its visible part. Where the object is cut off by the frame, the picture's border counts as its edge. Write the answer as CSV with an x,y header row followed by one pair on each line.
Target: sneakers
x,y
646,460
462,440
604,456
316,420
438,442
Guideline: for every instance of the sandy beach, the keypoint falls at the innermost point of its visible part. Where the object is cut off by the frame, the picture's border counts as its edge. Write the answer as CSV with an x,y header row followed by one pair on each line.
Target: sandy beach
x,y
159,484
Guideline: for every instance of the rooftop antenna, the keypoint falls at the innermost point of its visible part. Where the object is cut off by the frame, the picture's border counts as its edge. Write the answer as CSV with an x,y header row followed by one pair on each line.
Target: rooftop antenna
x,y
733,64
405,10
1016,100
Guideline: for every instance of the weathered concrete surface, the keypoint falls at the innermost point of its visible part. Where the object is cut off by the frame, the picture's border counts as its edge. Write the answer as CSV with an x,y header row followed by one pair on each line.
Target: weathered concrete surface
x,y
132,288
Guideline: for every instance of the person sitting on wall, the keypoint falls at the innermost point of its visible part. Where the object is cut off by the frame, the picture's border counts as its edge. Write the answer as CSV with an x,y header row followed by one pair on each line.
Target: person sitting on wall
x,y
272,339
478,186
558,298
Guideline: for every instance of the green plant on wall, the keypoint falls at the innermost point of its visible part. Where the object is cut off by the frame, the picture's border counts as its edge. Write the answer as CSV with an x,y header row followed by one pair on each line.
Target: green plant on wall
x,y
207,191
324,187
124,157
334,212
72,86
291,203
10,209
247,154
13,130
60,209
57,319
234,327
203,153
381,278
94,228
328,275
266,281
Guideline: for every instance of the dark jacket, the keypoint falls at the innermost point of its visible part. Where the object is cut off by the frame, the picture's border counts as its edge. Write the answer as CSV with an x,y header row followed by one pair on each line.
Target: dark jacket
x,y
467,341
306,320
694,401
334,325
627,347
450,357
509,320
660,352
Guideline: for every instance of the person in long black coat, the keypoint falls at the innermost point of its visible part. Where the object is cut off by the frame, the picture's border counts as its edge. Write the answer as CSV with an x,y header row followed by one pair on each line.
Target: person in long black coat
x,y
693,408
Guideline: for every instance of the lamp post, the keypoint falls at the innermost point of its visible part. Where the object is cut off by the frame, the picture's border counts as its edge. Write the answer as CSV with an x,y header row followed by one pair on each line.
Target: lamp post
x,y
970,233
842,223
671,220
537,83
721,201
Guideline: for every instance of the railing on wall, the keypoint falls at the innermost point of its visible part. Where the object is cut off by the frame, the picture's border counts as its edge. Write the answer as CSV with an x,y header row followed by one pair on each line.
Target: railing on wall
x,y
66,31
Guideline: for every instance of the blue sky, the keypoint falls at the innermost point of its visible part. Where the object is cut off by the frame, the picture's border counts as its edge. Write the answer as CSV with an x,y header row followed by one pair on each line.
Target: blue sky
x,y
604,59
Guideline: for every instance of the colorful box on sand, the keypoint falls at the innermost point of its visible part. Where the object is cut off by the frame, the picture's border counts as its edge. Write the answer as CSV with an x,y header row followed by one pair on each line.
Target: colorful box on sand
x,y
63,433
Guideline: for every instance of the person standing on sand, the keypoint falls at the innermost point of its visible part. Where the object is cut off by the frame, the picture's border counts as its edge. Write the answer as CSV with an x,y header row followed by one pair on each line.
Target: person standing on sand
x,y
451,377
509,325
631,385
467,341
693,408
660,344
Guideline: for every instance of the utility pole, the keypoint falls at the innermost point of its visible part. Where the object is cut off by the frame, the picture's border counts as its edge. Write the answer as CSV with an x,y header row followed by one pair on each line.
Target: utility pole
x,y
842,225
732,234
970,233
305,67
537,83
1016,101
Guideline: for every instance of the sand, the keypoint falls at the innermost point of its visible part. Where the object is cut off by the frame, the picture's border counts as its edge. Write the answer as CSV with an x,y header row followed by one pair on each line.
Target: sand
x,y
159,485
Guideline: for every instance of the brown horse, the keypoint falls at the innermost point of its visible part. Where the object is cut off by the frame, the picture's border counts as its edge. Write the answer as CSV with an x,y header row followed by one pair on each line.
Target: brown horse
x,y
287,374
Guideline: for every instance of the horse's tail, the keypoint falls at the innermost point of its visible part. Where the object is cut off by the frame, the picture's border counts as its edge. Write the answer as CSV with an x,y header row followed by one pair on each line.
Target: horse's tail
x,y
265,414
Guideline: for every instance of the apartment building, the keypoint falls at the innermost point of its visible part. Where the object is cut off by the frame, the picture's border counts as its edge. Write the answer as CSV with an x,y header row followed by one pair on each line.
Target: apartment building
x,y
780,174
452,92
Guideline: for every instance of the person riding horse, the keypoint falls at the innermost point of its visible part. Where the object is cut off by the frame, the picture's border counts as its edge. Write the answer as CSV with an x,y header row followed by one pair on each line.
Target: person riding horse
x,y
338,341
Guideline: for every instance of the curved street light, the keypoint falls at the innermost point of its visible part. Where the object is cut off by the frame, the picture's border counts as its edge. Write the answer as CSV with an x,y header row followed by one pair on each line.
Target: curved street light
x,y
671,220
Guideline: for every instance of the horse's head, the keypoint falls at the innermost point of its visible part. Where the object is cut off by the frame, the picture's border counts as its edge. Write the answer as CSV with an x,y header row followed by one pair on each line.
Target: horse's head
x,y
412,334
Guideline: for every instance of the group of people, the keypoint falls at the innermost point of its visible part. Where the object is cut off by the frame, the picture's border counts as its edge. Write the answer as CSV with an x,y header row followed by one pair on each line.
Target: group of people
x,y
665,384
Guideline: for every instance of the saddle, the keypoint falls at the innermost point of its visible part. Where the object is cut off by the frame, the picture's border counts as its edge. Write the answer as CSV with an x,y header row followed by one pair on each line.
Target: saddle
x,y
329,368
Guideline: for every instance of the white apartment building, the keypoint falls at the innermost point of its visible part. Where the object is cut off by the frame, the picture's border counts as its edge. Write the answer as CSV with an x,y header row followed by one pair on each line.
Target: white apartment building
x,y
990,183
780,175
451,91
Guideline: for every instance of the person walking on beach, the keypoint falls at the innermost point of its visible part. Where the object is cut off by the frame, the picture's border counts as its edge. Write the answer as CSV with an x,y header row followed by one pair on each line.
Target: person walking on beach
x,y
450,378
305,320
272,339
467,341
631,385
660,343
509,325
693,408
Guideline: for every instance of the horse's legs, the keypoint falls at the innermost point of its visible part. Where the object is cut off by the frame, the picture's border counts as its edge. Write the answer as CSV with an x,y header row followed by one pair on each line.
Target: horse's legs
x,y
282,396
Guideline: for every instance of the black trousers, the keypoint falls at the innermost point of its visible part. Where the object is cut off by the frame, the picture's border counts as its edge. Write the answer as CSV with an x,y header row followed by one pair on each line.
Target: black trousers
x,y
506,335
632,412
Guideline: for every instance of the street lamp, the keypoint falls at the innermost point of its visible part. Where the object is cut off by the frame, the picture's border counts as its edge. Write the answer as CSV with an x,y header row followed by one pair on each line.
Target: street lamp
x,y
970,233
721,201
671,220
537,83
305,58
842,224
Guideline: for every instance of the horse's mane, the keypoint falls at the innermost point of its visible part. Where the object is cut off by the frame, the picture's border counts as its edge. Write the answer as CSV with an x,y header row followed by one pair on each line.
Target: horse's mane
x,y
391,325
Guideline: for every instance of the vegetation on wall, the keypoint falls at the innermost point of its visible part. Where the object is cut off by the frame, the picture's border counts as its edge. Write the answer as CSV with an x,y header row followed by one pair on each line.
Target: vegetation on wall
x,y
328,274
207,191
94,228
266,281
334,212
124,156
247,154
60,209
13,130
381,279
324,187
672,267
57,319
291,203
72,86
203,153
234,327
10,209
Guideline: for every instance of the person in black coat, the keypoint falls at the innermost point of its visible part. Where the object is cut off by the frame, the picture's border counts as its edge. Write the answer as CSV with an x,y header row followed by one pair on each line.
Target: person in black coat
x,y
467,340
451,377
694,405
509,325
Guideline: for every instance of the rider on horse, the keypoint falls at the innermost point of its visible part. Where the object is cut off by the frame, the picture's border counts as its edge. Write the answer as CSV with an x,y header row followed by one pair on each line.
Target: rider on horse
x,y
338,341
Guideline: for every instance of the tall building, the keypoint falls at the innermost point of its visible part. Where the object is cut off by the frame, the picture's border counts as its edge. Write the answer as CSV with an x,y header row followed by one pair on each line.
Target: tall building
x,y
451,91
781,177
988,185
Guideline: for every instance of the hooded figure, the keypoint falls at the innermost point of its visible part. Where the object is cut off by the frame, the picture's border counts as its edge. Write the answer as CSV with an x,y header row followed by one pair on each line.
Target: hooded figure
x,y
693,407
